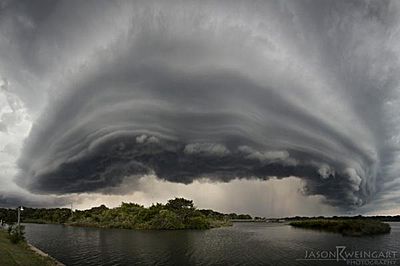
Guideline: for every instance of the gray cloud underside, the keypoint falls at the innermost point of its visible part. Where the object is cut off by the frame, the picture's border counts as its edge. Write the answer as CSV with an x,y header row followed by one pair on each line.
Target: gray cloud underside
x,y
217,89
14,199
139,133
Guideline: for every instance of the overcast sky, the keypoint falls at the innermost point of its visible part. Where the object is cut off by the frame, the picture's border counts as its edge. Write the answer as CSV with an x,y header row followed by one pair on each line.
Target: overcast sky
x,y
273,108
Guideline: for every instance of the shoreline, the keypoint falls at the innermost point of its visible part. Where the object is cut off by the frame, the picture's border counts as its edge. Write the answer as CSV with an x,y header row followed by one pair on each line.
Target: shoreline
x,y
87,225
44,254
23,253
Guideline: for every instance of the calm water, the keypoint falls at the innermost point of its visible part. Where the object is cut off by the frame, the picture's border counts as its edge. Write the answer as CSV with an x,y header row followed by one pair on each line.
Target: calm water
x,y
241,244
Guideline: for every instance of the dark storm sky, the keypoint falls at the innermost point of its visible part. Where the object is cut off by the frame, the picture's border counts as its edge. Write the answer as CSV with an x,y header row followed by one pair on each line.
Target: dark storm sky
x,y
98,93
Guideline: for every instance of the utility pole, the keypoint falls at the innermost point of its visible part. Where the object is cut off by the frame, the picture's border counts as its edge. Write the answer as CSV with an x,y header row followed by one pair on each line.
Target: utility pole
x,y
72,211
20,208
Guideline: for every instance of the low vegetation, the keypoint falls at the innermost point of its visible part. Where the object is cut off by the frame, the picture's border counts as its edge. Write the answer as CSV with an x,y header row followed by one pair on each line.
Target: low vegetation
x,y
16,233
348,227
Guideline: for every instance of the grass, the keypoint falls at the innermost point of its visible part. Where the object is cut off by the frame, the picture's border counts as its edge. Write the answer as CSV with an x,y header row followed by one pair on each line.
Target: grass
x,y
19,254
345,227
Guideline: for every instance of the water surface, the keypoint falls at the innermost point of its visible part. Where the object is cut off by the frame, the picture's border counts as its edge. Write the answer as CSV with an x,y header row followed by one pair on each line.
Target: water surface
x,y
241,244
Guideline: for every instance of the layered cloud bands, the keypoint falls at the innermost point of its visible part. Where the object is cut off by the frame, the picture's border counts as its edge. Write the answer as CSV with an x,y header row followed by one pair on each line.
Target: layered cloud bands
x,y
188,90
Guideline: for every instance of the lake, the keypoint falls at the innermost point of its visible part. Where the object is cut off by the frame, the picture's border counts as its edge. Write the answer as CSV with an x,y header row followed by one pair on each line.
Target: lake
x,y
241,244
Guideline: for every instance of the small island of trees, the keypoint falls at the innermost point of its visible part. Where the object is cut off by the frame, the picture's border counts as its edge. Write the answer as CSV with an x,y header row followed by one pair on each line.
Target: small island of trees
x,y
178,213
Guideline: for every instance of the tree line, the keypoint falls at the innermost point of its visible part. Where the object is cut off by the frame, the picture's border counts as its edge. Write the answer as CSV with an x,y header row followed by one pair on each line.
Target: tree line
x,y
178,213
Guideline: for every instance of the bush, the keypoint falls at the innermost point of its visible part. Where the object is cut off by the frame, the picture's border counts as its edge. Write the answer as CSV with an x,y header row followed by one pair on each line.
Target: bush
x,y
198,222
166,220
16,233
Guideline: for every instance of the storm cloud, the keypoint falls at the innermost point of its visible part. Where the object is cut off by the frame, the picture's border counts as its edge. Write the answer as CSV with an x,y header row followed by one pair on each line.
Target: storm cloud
x,y
208,89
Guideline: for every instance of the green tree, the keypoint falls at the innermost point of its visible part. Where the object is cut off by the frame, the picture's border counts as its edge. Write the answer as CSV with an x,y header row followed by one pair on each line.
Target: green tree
x,y
179,203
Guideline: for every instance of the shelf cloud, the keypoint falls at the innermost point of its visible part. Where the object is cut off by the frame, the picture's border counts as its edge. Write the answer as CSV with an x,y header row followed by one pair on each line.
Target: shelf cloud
x,y
187,90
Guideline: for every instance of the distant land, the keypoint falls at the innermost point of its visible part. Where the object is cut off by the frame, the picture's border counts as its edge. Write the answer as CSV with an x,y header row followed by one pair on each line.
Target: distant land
x,y
346,227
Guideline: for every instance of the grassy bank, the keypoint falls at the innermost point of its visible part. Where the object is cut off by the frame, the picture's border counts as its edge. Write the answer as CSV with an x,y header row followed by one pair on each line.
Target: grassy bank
x,y
345,227
19,254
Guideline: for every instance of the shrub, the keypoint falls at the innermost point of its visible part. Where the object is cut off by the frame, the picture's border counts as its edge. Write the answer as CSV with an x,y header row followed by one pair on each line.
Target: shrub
x,y
198,222
16,233
166,220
